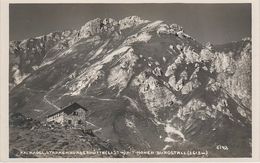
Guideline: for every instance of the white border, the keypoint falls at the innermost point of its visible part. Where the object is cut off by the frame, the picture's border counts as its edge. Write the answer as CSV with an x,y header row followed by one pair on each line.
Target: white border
x,y
4,97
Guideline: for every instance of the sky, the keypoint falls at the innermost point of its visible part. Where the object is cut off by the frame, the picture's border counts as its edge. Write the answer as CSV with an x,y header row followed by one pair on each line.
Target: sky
x,y
215,23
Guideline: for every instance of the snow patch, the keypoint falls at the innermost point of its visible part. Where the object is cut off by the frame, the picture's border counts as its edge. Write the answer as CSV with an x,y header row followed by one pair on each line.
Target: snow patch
x,y
170,130
99,51
18,75
168,139
37,110
138,37
129,123
151,26
120,75
166,147
164,59
85,80
54,58
119,51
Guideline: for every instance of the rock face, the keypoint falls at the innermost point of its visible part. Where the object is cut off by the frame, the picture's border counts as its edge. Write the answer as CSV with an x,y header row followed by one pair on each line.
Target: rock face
x,y
148,85
27,56
235,69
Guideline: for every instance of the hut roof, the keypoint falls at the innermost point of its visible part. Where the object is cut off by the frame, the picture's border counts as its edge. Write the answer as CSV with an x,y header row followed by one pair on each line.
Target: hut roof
x,y
69,109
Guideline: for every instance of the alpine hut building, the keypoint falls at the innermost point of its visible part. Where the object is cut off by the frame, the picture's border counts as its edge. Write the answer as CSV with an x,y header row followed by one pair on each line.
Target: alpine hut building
x,y
73,114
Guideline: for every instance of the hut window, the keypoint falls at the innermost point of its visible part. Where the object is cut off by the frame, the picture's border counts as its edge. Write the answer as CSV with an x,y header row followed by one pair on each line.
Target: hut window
x,y
79,122
69,121
75,113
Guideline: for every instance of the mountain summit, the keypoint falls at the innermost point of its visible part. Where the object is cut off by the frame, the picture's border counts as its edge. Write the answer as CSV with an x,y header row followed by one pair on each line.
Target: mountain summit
x,y
148,85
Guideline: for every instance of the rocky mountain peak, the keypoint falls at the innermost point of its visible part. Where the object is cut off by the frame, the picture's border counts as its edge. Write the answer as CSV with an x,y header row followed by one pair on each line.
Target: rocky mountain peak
x,y
131,21
98,25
